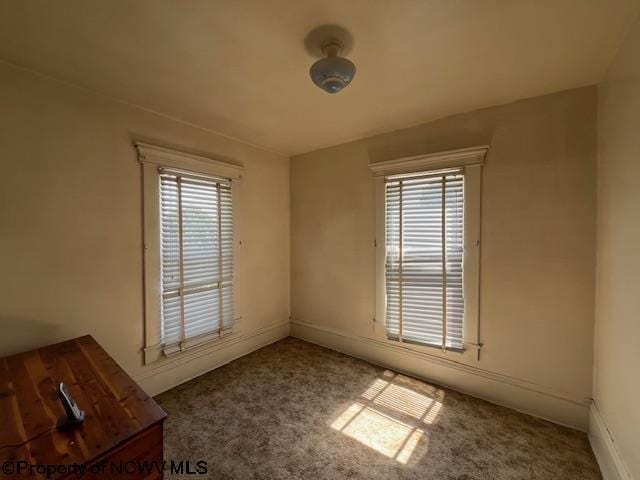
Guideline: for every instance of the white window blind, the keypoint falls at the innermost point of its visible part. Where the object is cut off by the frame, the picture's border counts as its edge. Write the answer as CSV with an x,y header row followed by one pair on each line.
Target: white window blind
x,y
196,230
424,258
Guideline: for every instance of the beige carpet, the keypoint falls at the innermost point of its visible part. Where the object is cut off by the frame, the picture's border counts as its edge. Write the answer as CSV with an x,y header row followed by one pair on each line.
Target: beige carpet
x,y
294,410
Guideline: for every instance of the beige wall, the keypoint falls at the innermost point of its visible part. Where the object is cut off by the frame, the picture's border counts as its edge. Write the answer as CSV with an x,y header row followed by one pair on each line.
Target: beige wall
x,y
70,239
617,352
71,225
538,246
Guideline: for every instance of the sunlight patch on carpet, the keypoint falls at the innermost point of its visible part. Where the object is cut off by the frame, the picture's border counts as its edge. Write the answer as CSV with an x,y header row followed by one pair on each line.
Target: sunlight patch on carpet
x,y
389,418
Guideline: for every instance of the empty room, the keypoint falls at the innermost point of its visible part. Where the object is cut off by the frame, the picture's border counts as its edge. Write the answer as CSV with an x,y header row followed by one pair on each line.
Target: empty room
x,y
320,239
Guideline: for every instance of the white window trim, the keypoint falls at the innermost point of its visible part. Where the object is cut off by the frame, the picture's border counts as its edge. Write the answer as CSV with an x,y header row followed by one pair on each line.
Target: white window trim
x,y
471,160
152,158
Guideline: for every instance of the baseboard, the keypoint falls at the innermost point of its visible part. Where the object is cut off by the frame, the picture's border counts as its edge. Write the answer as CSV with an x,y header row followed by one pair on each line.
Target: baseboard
x,y
611,464
540,401
155,379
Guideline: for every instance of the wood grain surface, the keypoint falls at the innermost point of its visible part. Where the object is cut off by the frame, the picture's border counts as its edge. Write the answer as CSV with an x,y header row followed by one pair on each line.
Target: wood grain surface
x,y
120,416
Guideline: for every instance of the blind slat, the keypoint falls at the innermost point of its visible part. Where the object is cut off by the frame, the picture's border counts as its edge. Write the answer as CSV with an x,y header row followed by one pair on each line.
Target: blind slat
x,y
196,256
424,253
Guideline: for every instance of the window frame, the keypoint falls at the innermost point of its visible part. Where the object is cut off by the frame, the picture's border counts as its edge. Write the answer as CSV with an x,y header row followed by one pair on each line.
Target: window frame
x,y
152,159
471,161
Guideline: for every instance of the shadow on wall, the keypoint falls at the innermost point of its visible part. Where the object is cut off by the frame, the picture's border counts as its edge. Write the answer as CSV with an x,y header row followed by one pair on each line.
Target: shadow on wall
x,y
384,148
27,334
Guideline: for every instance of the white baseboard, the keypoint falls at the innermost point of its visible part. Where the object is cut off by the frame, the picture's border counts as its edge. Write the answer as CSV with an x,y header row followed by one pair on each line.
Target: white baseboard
x,y
605,449
157,378
527,397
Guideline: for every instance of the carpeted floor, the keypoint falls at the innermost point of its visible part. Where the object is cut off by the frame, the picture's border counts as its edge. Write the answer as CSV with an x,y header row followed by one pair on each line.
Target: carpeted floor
x,y
294,410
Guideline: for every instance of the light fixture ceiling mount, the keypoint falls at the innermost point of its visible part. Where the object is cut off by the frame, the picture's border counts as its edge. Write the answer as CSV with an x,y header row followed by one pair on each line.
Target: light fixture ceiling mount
x,y
333,72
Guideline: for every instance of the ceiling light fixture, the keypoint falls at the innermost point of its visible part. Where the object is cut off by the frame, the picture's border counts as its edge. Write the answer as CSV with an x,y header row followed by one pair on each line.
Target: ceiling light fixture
x,y
333,72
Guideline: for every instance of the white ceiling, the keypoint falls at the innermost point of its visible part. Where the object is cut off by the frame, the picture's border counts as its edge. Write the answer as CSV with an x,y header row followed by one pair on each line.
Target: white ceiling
x,y
239,67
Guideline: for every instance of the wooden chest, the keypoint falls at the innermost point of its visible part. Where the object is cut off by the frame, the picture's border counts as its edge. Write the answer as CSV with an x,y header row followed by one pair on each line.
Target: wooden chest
x,y
121,436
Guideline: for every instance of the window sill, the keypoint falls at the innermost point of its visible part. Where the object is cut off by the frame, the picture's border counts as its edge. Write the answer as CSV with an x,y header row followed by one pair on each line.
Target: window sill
x,y
426,345
468,353
157,353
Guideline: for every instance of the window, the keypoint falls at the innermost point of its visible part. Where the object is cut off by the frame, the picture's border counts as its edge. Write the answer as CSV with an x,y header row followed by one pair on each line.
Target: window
x,y
427,256
423,268
190,246
196,244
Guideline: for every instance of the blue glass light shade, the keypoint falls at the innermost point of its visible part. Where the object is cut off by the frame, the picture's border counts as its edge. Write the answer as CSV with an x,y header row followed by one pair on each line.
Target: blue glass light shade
x,y
332,74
